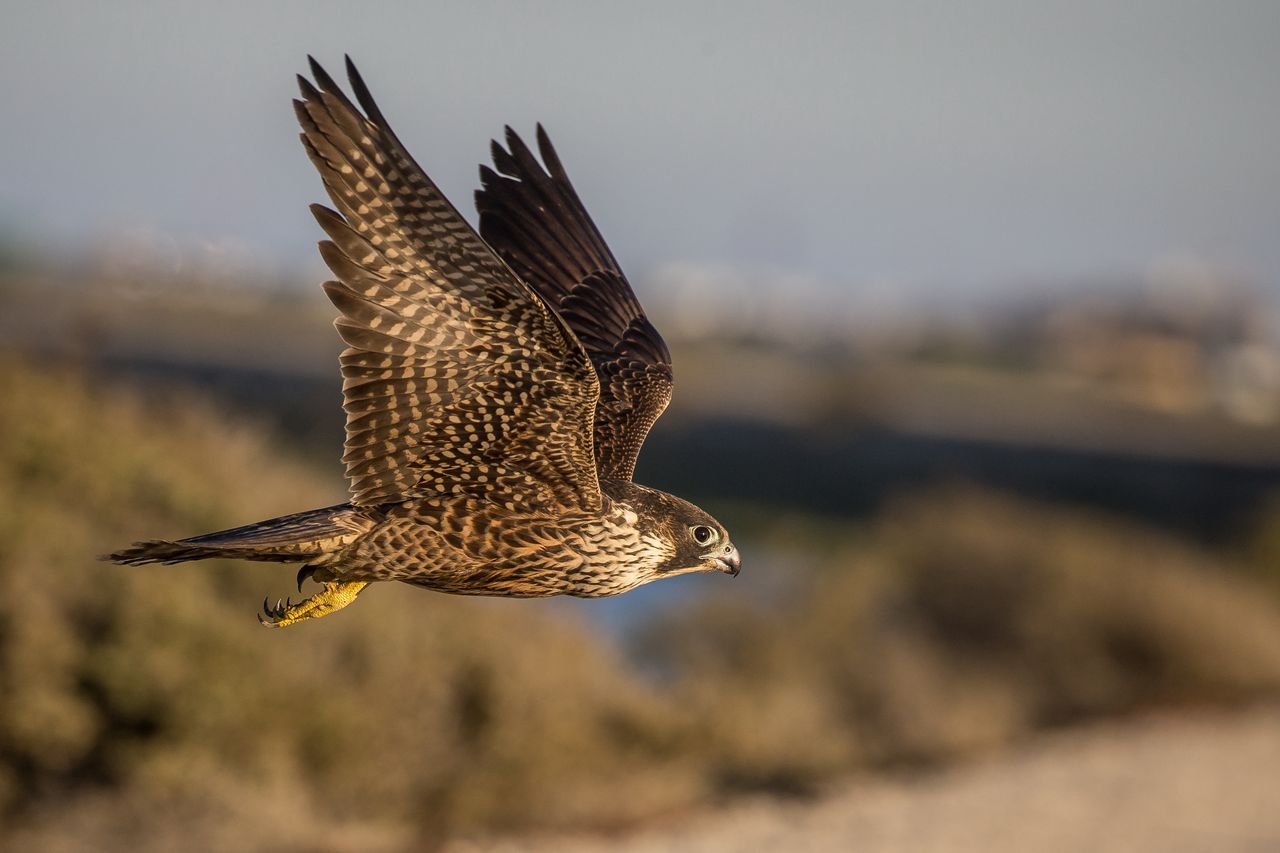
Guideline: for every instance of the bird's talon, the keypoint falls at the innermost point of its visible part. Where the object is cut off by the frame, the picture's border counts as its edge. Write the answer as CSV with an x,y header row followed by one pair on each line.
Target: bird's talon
x,y
334,596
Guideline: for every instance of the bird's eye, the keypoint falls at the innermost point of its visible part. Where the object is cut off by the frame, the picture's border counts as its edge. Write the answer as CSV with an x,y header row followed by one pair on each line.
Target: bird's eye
x,y
704,535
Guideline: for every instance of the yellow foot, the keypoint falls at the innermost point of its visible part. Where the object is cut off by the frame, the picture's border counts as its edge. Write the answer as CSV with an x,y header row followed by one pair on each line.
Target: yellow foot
x,y
335,596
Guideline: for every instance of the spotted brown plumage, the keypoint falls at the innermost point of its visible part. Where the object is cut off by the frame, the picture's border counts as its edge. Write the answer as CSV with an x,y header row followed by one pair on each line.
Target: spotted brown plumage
x,y
455,380
496,402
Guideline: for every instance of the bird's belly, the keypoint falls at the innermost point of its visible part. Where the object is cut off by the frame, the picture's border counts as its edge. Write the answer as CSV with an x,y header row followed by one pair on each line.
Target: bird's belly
x,y
486,553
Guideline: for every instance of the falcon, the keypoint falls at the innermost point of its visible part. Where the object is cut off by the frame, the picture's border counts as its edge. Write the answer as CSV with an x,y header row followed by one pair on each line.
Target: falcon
x,y
498,387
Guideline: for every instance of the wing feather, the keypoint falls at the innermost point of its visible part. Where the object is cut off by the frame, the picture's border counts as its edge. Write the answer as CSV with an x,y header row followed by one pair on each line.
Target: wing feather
x,y
457,377
533,218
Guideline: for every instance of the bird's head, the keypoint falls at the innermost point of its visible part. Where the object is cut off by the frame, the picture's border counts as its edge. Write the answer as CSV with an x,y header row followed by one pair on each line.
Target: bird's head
x,y
692,541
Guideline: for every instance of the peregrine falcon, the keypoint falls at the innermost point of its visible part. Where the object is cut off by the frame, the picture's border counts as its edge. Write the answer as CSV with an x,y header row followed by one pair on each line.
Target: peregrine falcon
x,y
498,387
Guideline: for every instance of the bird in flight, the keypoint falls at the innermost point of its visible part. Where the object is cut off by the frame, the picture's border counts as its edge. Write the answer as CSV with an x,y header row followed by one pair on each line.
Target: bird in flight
x,y
498,387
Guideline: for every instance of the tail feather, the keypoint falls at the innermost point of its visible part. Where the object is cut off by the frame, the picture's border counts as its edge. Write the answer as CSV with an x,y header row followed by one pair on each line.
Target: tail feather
x,y
288,539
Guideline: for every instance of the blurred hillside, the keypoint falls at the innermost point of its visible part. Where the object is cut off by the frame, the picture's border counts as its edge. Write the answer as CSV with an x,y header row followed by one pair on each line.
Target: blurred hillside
x,y
1157,401
145,709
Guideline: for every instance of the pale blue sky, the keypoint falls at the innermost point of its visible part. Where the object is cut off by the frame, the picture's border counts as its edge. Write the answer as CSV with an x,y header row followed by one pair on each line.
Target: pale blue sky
x,y
941,145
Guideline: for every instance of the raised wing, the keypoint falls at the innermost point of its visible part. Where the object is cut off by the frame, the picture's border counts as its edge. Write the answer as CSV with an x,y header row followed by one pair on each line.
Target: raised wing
x,y
533,218
457,378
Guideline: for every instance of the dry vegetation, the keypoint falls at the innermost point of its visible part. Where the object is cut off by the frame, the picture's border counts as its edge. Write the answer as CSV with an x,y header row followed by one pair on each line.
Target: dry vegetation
x,y
147,704
145,708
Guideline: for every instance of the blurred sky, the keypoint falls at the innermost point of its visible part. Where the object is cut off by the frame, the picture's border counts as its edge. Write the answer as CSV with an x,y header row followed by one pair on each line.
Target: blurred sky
x,y
937,145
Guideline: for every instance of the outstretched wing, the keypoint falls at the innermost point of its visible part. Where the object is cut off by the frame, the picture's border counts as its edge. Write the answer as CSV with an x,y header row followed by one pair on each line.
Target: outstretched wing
x,y
533,218
458,379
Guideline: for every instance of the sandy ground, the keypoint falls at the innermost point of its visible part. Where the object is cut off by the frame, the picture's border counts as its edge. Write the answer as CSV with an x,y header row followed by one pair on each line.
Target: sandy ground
x,y
1193,782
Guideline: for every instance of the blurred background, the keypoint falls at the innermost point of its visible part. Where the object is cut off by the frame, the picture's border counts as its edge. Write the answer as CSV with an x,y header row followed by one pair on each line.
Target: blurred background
x,y
974,312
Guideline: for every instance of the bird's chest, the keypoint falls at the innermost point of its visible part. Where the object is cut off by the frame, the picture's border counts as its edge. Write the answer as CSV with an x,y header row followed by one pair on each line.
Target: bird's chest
x,y
579,544
531,554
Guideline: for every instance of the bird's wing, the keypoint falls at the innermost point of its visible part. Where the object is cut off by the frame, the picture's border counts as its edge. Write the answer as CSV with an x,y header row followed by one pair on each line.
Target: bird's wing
x,y
457,377
533,218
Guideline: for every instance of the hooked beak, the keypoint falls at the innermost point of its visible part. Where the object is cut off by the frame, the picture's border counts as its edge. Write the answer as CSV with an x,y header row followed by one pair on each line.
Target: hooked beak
x,y
728,562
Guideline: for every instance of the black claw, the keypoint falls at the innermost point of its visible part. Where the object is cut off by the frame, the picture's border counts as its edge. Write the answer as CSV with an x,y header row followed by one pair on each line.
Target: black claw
x,y
306,573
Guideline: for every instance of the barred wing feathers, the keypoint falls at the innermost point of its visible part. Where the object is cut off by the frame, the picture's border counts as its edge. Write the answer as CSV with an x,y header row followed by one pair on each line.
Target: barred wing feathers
x,y
457,378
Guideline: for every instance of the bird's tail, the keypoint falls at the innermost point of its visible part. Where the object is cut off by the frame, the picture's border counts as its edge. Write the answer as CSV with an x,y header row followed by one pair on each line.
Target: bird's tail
x,y
288,539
